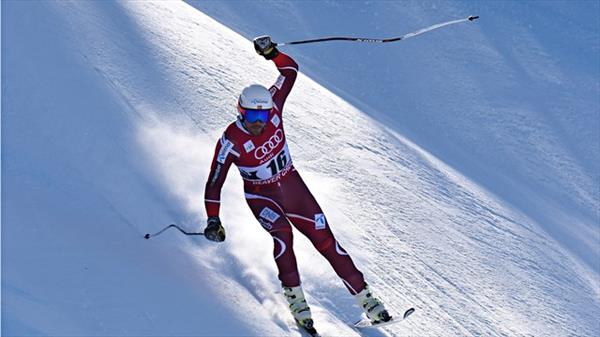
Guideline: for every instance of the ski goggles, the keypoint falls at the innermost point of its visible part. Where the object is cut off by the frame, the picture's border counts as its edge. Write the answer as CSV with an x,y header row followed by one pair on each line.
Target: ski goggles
x,y
255,115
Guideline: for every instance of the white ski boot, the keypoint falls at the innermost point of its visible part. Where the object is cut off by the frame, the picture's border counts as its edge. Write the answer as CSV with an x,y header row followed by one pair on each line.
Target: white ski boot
x,y
298,306
373,307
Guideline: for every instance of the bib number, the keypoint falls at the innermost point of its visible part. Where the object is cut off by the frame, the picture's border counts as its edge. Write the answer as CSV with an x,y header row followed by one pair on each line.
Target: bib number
x,y
278,163
269,169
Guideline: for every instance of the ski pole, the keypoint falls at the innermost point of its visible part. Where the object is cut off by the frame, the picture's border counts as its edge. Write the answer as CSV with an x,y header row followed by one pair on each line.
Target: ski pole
x,y
148,236
393,39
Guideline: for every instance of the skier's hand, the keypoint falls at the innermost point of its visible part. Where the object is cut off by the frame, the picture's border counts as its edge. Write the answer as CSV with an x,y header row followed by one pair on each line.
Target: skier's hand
x,y
214,231
265,47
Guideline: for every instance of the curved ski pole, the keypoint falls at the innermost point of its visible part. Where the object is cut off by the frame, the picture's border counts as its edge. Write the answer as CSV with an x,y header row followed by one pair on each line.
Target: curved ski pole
x,y
393,39
148,236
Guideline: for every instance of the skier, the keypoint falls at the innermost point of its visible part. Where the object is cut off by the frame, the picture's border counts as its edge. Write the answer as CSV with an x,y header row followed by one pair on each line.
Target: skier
x,y
275,192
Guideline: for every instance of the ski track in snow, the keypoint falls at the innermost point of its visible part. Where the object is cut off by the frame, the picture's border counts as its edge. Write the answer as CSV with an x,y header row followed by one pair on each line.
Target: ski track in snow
x,y
423,234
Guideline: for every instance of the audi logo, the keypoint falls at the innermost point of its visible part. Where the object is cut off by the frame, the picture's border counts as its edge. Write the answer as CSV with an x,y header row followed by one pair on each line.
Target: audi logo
x,y
270,145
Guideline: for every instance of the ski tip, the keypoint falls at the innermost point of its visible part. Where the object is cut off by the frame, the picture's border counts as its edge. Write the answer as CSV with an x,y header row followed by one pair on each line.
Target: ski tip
x,y
409,312
473,17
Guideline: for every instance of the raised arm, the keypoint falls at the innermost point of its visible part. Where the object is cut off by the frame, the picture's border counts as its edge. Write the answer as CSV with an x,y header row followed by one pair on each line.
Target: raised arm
x,y
288,70
287,67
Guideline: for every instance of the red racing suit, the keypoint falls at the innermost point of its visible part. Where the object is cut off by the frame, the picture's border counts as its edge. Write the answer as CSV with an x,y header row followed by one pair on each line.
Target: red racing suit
x,y
275,191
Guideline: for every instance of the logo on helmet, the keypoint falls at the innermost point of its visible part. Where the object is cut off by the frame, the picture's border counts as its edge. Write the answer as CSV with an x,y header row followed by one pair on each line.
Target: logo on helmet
x,y
258,101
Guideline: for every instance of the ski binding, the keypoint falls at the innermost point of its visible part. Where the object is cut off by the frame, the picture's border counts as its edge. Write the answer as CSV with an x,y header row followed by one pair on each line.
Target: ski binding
x,y
366,323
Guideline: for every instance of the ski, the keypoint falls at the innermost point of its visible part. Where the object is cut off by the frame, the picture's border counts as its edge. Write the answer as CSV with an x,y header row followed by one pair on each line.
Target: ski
x,y
311,331
366,323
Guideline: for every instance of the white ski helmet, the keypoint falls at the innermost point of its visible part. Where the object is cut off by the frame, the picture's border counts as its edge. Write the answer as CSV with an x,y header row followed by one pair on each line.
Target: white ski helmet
x,y
255,97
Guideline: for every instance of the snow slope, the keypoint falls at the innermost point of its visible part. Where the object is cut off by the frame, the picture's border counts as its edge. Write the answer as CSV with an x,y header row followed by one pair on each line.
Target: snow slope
x,y
511,101
110,113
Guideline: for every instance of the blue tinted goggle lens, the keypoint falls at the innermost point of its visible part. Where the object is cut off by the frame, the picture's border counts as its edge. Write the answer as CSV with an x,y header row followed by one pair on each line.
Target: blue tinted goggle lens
x,y
252,116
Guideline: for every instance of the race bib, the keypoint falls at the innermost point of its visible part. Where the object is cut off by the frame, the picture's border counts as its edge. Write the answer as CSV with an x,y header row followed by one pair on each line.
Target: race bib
x,y
269,169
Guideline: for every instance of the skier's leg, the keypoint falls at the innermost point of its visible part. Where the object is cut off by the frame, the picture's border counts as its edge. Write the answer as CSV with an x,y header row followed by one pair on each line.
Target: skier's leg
x,y
324,241
270,215
305,213
285,258
372,306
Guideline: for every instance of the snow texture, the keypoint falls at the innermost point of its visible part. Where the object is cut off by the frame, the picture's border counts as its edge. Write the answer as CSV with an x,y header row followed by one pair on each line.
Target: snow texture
x,y
459,168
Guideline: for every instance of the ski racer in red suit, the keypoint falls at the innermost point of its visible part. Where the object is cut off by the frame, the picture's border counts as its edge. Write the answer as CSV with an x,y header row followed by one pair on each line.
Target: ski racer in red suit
x,y
274,190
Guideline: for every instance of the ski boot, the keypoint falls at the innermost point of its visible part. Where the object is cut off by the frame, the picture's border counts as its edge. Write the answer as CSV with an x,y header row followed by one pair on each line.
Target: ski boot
x,y
299,308
373,307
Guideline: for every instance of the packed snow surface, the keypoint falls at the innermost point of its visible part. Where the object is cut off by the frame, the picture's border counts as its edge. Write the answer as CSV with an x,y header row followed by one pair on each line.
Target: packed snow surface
x,y
110,113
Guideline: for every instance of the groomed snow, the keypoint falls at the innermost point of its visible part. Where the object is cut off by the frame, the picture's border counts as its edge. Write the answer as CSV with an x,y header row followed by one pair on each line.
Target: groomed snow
x,y
110,112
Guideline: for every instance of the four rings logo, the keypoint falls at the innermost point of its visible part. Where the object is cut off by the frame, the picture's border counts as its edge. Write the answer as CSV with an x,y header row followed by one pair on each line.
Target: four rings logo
x,y
270,145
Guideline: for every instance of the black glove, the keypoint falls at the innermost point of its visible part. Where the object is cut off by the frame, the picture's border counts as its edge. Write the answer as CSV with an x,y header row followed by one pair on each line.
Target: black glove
x,y
265,47
214,231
